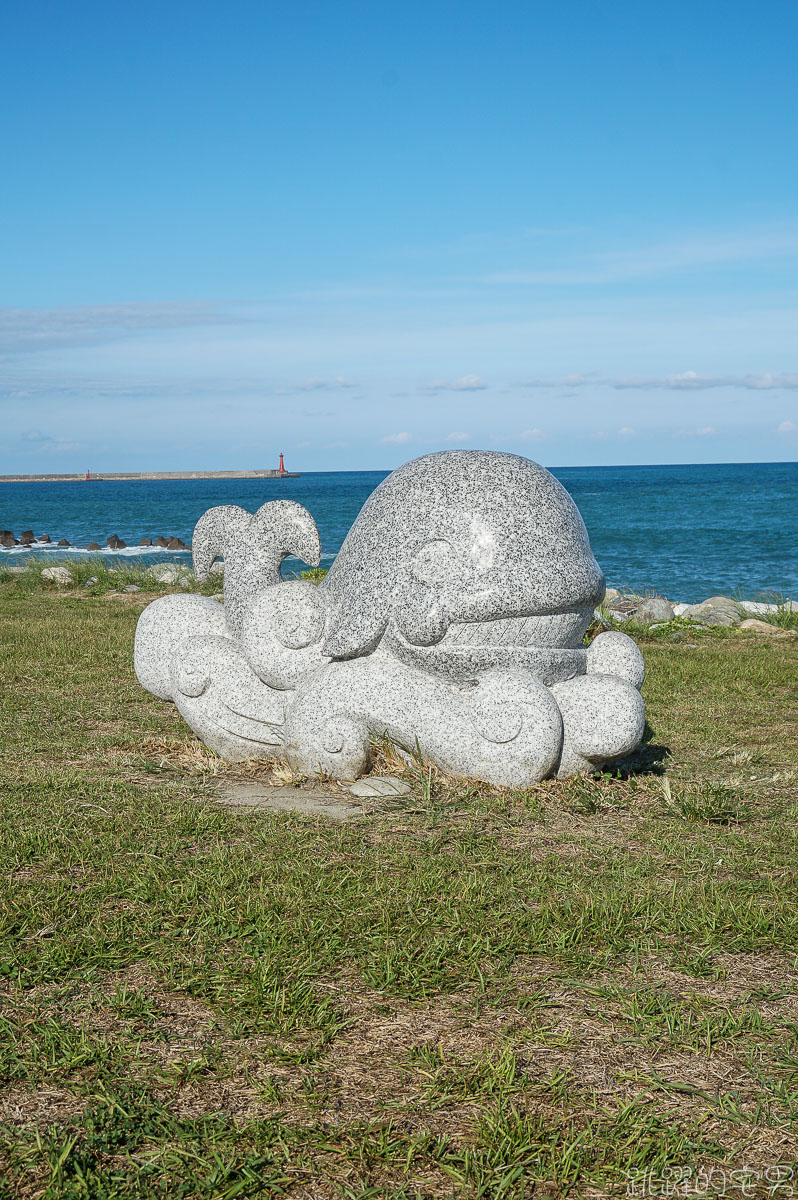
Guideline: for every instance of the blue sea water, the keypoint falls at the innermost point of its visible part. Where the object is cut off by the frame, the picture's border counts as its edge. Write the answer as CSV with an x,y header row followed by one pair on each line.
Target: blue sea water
x,y
687,532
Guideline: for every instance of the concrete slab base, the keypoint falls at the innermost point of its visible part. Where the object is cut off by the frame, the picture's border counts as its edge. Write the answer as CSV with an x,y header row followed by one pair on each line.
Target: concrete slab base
x,y
243,795
373,786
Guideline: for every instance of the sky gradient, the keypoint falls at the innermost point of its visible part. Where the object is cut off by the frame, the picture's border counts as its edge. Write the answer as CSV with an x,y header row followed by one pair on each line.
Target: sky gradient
x,y
359,232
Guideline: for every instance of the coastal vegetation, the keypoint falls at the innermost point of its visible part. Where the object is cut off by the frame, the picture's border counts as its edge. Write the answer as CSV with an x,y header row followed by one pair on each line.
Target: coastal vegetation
x,y
579,989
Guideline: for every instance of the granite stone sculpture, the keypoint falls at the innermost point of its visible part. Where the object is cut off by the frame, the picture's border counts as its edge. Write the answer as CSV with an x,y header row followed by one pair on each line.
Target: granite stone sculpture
x,y
451,621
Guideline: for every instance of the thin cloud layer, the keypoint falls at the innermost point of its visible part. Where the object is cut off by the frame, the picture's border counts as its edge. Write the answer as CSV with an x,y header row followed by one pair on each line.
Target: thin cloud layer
x,y
26,331
682,381
323,385
48,445
692,381
680,256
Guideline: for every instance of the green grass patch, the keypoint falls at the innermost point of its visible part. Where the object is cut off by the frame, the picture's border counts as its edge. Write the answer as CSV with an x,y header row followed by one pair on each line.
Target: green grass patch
x,y
93,576
476,993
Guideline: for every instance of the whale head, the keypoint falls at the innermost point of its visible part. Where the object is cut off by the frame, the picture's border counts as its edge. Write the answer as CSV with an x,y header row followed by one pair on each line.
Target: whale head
x,y
463,547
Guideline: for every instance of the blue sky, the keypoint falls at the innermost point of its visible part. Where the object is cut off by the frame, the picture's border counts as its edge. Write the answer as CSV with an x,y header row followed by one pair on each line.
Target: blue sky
x,y
359,232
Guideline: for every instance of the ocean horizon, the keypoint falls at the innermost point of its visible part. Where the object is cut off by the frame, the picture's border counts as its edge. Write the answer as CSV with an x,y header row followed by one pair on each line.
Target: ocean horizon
x,y
686,531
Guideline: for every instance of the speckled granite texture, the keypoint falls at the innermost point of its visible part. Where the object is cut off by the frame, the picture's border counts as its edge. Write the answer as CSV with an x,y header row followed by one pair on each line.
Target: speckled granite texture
x,y
451,620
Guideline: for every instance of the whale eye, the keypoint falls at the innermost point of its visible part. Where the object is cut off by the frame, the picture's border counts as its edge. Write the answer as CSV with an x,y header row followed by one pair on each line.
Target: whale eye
x,y
434,563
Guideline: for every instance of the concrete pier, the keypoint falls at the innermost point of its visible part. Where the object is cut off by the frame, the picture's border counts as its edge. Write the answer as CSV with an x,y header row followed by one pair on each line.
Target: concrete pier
x,y
112,476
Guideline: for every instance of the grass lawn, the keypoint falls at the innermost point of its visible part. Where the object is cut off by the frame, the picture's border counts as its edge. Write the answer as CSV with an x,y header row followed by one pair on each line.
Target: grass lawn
x,y
574,990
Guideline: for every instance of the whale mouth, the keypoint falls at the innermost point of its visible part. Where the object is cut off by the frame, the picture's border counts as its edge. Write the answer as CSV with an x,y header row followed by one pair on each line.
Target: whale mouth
x,y
548,646
556,631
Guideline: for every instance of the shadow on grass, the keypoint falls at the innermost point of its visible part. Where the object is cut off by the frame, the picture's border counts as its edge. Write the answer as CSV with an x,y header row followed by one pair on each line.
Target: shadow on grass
x,y
648,759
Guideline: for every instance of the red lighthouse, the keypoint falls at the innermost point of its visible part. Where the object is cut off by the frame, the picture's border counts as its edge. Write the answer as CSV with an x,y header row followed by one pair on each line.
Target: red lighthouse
x,y
281,467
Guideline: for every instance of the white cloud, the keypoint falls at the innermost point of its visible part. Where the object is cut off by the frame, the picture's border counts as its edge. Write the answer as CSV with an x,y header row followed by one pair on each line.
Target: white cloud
x,y
688,379
532,435
458,437
396,439
705,431
574,379
768,381
787,427
626,431
466,383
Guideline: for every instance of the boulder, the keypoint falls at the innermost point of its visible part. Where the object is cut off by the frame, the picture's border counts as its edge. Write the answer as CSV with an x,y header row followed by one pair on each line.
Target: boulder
x,y
610,596
90,582
93,546
717,610
63,542
763,627
7,538
27,538
623,605
625,602
145,542
59,575
160,541
654,609
216,568
132,587
758,606
113,542
175,543
45,537
167,573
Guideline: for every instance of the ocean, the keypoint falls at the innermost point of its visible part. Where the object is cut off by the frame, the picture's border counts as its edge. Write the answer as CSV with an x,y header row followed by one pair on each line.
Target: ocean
x,y
686,532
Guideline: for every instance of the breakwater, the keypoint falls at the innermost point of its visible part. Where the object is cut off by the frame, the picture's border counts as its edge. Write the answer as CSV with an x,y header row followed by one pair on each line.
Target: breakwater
x,y
114,476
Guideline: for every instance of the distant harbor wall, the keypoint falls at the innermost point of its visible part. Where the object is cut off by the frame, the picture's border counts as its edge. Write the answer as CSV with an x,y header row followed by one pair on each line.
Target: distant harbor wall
x,y
104,476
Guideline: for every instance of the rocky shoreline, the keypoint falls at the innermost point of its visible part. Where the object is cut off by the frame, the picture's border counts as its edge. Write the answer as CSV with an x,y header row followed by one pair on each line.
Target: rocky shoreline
x,y
654,611
28,539
617,609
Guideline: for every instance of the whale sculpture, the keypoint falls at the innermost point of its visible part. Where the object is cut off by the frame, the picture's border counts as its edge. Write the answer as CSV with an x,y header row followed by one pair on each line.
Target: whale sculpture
x,y
452,621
